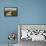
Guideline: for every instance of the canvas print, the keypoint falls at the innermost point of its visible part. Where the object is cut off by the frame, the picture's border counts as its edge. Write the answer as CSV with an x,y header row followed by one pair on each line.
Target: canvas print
x,y
10,11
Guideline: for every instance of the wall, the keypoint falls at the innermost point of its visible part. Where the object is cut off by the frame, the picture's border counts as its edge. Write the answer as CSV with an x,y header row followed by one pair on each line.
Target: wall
x,y
29,12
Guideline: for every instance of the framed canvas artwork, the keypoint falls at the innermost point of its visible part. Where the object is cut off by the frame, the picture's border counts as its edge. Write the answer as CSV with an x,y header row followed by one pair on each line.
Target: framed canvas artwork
x,y
10,11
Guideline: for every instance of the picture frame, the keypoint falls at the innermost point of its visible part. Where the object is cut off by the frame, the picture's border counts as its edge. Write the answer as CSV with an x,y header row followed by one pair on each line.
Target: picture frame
x,y
10,11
